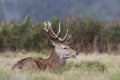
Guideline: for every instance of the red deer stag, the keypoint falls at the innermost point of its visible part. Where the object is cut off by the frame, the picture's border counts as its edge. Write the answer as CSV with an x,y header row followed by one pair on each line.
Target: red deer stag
x,y
59,54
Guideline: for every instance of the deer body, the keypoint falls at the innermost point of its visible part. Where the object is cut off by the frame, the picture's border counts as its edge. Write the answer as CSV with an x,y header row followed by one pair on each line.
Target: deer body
x,y
25,64
51,63
57,59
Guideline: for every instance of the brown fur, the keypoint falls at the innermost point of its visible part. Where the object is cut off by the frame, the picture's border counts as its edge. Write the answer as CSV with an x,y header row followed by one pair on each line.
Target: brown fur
x,y
52,62
26,64
40,63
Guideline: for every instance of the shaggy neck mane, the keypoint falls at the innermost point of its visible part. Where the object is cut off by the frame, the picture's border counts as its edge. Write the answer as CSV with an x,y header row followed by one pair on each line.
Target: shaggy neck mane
x,y
54,59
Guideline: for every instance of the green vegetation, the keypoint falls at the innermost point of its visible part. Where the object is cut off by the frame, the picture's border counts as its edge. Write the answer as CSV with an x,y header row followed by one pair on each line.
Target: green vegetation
x,y
94,66
103,67
87,35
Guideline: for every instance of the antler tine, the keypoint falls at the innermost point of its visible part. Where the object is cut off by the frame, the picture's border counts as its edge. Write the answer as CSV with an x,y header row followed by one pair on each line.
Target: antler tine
x,y
69,37
64,38
52,32
49,23
46,27
59,30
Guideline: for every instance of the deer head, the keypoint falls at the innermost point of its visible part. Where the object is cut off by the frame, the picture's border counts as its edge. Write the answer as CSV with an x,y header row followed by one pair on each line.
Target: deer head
x,y
63,51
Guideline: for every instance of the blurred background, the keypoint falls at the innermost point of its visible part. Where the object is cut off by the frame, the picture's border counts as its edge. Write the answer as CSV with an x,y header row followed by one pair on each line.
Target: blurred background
x,y
41,10
93,24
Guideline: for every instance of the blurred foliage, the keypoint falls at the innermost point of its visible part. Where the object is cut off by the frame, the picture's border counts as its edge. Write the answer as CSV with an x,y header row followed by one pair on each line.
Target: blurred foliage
x,y
87,35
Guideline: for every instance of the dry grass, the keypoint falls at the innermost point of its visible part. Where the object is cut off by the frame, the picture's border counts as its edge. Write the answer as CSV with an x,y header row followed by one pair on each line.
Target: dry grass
x,y
85,67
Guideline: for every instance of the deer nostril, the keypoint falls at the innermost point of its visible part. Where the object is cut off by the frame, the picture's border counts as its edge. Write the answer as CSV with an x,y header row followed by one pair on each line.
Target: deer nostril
x,y
74,56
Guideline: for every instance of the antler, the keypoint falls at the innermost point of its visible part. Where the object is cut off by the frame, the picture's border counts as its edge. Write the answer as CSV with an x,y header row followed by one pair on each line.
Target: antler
x,y
49,29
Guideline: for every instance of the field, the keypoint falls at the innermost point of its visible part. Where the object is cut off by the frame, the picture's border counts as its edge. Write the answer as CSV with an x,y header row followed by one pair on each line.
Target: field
x,y
85,67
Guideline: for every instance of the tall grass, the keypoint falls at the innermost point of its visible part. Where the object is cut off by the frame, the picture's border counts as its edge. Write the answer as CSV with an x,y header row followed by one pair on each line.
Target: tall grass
x,y
84,67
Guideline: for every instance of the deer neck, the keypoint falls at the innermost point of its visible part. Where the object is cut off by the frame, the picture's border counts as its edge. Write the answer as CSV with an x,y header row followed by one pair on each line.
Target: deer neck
x,y
56,60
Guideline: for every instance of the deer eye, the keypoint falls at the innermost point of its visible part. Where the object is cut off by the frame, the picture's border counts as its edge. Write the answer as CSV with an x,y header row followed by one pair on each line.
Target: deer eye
x,y
65,47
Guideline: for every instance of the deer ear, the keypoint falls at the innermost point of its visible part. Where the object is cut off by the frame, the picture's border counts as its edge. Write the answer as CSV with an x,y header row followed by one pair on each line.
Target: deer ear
x,y
53,42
